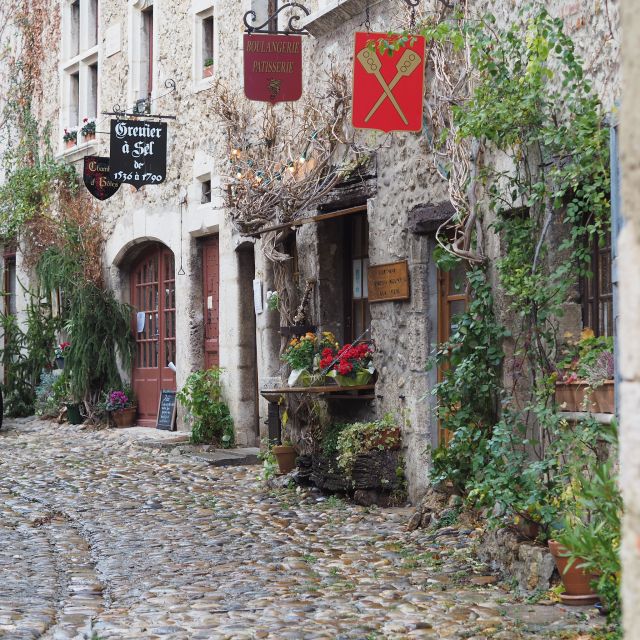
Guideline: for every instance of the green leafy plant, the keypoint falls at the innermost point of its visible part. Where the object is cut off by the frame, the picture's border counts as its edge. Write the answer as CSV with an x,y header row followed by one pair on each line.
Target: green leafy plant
x,y
208,62
361,437
592,526
268,459
207,412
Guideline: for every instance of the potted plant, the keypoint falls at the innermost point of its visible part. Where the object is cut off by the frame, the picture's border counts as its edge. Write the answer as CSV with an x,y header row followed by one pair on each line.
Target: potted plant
x,y
576,581
122,408
305,356
364,437
88,129
352,366
208,68
70,137
584,378
286,455
61,351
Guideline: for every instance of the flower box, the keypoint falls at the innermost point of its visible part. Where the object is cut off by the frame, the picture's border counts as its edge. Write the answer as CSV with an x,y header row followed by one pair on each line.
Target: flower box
x,y
578,396
124,417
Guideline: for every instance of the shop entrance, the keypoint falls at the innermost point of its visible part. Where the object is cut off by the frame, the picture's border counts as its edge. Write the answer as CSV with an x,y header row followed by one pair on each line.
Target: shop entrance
x,y
153,298
211,296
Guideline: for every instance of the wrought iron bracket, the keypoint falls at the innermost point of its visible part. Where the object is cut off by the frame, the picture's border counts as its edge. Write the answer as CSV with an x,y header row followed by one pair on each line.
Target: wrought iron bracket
x,y
143,107
291,29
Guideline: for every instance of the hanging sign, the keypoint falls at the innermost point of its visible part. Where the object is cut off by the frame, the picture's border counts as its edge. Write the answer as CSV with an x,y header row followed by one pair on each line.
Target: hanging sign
x,y
388,90
389,282
96,178
272,68
138,152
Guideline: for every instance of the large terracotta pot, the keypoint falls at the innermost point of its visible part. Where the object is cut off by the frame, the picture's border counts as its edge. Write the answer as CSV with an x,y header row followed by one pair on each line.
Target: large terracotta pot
x,y
578,396
125,417
576,582
286,457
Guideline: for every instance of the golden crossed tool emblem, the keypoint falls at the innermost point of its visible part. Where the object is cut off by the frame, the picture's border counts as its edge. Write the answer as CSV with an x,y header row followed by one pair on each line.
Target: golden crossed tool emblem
x,y
407,64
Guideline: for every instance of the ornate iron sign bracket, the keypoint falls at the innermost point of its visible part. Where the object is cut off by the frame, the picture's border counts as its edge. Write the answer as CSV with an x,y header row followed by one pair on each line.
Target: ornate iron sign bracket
x,y
142,107
250,18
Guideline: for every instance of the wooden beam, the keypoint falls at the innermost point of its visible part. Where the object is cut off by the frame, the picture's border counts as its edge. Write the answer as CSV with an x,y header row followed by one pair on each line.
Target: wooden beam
x,y
318,218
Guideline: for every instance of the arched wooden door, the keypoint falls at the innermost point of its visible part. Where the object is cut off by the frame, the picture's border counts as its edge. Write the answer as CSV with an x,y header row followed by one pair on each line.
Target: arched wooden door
x,y
153,293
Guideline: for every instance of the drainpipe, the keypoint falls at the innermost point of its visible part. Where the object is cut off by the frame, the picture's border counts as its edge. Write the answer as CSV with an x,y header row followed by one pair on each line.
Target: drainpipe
x,y
617,222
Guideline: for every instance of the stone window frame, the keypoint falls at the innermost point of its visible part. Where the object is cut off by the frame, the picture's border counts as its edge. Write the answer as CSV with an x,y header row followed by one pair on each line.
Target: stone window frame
x,y
138,80
79,91
202,10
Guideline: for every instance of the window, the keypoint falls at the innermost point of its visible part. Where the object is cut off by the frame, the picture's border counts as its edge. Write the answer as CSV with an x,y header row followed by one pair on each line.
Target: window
x,y
204,42
10,281
358,314
206,192
146,50
597,290
80,64
452,301
143,52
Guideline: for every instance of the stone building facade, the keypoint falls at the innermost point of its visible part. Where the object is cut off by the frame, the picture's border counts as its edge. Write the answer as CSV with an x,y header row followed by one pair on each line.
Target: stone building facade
x,y
177,239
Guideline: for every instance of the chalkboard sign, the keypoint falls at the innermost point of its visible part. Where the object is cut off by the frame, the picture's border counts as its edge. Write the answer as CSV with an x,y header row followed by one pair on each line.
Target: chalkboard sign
x,y
138,152
167,410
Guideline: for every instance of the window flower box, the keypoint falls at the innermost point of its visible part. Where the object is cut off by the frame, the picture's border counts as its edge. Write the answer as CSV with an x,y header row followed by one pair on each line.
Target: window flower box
x,y
579,396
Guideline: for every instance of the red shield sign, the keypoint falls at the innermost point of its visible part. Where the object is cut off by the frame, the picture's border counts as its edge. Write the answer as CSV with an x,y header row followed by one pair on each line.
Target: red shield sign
x,y
96,177
388,90
272,68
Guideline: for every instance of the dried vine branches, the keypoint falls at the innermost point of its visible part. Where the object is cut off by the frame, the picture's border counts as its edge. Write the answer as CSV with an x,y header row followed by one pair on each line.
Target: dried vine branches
x,y
300,153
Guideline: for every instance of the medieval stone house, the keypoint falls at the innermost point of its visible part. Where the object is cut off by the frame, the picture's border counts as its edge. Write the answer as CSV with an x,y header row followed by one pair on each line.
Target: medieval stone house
x,y
173,252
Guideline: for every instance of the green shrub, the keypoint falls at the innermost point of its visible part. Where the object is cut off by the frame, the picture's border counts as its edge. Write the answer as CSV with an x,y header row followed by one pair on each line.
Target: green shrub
x,y
211,421
362,437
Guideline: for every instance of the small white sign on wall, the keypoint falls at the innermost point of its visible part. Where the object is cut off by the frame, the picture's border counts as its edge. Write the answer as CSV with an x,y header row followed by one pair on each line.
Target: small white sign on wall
x,y
258,304
357,279
112,40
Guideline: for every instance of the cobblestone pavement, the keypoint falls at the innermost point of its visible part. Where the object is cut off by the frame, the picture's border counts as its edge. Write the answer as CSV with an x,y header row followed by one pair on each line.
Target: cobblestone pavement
x,y
102,536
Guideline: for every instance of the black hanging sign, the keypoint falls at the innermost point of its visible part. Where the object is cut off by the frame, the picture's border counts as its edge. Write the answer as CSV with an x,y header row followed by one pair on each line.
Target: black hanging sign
x,y
138,152
96,177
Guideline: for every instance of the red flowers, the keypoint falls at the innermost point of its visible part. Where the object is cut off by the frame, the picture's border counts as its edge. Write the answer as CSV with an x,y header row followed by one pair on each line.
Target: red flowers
x,y
350,359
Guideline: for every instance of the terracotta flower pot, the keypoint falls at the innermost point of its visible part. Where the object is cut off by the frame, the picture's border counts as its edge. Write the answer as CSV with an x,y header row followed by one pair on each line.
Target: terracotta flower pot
x,y
388,439
578,395
88,136
286,457
576,582
125,417
69,144
207,71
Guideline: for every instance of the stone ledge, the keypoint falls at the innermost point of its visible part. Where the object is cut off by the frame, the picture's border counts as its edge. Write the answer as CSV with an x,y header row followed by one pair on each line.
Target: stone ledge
x,y
531,565
326,21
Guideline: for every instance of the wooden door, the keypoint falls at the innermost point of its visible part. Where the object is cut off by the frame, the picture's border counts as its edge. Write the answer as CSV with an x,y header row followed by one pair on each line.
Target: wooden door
x,y
153,293
211,298
452,301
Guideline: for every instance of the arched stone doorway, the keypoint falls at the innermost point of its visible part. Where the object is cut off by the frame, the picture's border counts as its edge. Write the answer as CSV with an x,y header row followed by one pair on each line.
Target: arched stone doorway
x,y
152,289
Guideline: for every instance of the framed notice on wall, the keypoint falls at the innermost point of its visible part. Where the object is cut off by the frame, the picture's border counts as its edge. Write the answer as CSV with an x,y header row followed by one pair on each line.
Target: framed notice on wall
x,y
388,282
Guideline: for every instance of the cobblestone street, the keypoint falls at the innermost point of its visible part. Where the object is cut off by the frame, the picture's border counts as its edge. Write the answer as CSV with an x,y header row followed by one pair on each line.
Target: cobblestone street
x,y
102,535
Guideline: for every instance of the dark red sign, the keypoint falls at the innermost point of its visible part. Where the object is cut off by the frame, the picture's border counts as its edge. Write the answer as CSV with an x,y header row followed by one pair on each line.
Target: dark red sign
x,y
96,177
388,90
272,68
